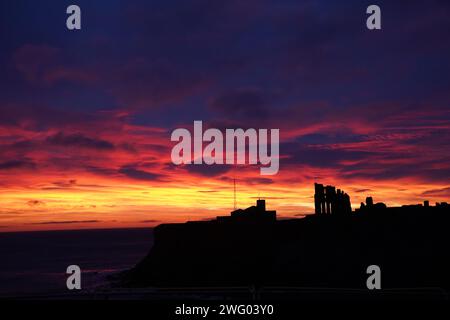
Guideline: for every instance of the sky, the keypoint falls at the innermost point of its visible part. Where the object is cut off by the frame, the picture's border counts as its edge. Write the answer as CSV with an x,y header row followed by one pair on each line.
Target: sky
x,y
86,116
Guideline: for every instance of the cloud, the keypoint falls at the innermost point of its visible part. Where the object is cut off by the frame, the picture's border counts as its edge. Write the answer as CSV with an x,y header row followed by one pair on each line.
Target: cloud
x,y
65,183
16,164
322,156
65,222
362,110
79,140
258,181
35,203
137,174
443,192
148,84
247,103
33,60
43,64
207,170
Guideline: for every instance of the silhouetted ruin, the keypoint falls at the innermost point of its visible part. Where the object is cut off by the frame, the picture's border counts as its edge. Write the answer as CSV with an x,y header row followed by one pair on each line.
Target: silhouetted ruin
x,y
328,201
370,206
331,248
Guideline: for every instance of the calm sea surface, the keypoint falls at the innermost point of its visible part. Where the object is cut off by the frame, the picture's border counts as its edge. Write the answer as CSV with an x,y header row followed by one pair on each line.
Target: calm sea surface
x,y
36,262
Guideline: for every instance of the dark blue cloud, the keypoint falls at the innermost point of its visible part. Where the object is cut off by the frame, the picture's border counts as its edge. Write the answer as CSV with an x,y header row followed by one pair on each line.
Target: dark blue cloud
x,y
137,174
17,164
267,63
79,140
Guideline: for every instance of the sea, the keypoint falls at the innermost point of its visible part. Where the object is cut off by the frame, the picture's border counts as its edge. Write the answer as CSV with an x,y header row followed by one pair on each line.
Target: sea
x,y
35,263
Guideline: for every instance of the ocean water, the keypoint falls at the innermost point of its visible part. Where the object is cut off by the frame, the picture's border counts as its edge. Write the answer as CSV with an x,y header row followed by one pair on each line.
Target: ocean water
x,y
35,262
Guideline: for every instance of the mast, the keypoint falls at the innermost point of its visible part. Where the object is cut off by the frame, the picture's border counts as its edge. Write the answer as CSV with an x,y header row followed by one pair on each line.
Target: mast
x,y
234,189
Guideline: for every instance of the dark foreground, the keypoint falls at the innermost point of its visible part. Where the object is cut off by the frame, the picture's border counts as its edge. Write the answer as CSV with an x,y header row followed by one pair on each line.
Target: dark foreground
x,y
409,244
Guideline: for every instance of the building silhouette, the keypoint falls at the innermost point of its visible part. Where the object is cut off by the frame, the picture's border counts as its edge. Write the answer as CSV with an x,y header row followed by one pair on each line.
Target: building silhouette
x,y
329,201
251,247
369,206
255,214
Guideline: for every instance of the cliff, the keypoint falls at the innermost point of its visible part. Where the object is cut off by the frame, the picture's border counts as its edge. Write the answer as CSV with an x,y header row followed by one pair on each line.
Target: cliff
x,y
410,244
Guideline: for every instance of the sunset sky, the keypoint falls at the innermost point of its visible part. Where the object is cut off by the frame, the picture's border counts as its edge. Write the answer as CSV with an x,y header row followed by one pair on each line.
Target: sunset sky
x,y
86,116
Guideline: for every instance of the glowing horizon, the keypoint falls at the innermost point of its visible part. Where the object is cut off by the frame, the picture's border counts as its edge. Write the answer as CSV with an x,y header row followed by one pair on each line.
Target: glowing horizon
x,y
86,116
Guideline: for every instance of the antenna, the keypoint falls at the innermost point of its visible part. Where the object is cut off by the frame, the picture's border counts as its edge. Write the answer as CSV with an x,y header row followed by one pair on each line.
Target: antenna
x,y
234,187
